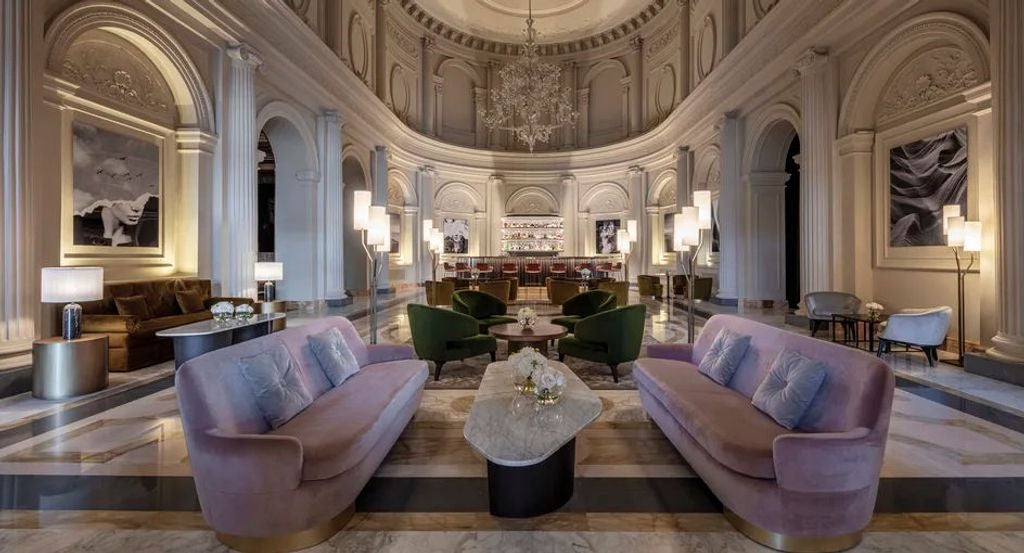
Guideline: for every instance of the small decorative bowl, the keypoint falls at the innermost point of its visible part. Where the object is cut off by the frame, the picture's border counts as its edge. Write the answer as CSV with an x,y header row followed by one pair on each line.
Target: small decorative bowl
x,y
222,311
244,311
549,396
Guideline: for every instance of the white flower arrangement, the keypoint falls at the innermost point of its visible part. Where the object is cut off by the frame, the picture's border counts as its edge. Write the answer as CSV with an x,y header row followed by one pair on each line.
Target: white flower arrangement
x,y
585,273
223,310
527,317
874,309
244,311
525,363
549,384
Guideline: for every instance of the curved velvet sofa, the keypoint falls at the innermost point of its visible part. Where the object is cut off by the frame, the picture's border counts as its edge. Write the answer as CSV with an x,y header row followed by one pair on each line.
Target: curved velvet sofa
x,y
293,487
808,489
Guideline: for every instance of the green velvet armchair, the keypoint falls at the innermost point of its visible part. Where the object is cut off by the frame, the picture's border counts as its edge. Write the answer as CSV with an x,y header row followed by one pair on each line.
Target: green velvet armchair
x,y
584,305
610,337
440,335
488,310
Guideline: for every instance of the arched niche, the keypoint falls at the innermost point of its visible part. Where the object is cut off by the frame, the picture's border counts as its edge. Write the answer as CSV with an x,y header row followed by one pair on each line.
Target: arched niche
x,y
402,206
664,190
458,197
532,200
114,71
607,109
771,132
608,197
354,176
296,183
456,108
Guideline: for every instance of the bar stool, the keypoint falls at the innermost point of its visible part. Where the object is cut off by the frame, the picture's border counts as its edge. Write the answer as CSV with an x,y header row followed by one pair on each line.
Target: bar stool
x,y
461,268
509,269
617,268
558,270
485,269
533,269
604,269
449,269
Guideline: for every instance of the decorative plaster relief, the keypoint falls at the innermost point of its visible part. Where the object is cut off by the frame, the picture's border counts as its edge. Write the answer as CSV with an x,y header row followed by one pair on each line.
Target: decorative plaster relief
x,y
762,7
110,67
396,196
400,95
926,79
661,41
358,46
605,198
407,44
668,194
665,91
300,7
707,47
532,200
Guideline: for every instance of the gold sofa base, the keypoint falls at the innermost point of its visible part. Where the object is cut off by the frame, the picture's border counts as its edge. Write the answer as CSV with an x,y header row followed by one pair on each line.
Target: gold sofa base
x,y
793,544
285,543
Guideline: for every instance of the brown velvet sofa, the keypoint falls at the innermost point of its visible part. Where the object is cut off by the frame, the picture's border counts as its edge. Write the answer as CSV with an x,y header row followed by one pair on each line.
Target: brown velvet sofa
x,y
133,342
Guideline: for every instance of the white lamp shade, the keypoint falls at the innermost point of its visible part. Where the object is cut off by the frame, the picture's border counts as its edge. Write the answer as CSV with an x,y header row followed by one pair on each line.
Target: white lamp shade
x,y
677,233
385,246
631,228
972,236
269,270
361,210
702,201
428,225
947,212
691,226
955,232
379,226
71,284
622,238
436,240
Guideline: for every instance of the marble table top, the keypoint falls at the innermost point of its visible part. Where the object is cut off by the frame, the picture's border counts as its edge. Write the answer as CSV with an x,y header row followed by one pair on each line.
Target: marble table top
x,y
212,326
537,333
513,430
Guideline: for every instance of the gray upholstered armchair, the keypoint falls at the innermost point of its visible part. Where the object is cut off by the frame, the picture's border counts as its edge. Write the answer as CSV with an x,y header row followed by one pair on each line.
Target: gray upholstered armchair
x,y
821,306
918,328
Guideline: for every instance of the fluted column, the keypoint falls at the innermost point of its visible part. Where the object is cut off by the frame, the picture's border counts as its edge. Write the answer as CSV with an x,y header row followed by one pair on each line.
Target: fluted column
x,y
332,219
380,58
684,47
640,254
853,269
496,210
1007,20
380,197
570,209
426,77
425,192
18,296
480,103
820,109
636,108
730,210
238,235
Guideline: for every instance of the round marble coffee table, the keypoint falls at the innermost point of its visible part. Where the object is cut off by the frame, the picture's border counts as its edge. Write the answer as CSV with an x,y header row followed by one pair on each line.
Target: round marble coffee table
x,y
537,336
530,448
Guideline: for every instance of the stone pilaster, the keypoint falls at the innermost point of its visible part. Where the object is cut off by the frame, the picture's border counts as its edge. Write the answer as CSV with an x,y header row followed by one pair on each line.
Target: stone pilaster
x,y
238,235
480,104
570,209
495,211
820,109
380,197
640,253
426,77
636,100
684,177
380,56
684,47
731,207
1007,20
853,270
425,191
19,300
332,209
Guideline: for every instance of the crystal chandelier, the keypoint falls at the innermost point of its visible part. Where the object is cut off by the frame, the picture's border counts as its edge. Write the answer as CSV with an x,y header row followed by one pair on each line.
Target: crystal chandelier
x,y
530,102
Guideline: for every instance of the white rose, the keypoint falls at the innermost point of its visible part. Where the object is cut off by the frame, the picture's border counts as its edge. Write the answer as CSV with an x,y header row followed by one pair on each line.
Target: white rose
x,y
547,380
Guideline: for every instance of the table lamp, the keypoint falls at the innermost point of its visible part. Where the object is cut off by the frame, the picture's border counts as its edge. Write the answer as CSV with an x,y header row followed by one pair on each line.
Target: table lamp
x,y
69,285
267,272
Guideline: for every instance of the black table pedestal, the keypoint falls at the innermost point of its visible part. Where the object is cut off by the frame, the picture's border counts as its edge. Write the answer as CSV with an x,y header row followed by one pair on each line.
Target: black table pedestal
x,y
521,492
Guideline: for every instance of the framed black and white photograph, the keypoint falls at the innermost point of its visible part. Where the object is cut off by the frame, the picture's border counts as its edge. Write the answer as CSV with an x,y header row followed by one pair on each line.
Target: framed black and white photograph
x,y
396,232
669,231
456,235
116,189
607,239
925,175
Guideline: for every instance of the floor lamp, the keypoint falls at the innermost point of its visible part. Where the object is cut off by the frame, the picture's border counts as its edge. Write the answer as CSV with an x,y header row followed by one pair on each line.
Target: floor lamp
x,y
966,236
436,246
689,226
625,245
372,222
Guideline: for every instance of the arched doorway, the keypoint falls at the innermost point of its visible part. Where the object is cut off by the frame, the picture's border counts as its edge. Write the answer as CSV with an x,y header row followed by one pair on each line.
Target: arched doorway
x,y
286,204
792,199
354,177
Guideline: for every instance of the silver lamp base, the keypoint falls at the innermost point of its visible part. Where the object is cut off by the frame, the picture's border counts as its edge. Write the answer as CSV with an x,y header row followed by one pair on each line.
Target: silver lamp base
x,y
269,292
71,322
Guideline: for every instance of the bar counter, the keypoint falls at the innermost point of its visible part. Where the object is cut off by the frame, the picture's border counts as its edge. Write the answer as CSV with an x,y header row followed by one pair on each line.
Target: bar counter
x,y
448,262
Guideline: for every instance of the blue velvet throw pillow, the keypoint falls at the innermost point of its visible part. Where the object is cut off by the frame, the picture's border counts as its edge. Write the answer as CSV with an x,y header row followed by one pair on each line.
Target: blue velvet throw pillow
x,y
724,357
335,357
275,384
789,388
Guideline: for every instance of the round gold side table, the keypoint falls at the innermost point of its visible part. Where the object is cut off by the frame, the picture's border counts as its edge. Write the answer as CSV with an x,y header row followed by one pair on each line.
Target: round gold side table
x,y
67,368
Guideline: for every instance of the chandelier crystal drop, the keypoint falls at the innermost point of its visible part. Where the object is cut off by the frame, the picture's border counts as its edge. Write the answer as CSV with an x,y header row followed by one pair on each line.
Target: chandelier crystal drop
x,y
531,101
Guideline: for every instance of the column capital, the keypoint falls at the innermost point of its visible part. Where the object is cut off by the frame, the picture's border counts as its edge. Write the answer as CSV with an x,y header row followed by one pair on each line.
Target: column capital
x,y
634,170
429,43
427,170
495,180
811,60
244,54
569,180
859,142
333,117
636,42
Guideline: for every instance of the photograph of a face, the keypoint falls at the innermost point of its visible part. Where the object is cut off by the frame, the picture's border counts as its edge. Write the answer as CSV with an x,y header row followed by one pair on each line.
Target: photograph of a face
x,y
116,189
607,239
456,235
924,176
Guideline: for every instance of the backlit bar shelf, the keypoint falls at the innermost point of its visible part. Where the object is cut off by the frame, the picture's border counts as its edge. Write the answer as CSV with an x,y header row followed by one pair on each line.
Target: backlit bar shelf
x,y
525,234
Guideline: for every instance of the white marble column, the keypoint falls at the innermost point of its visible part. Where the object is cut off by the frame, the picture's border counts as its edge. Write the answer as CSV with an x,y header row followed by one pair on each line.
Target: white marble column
x,y
495,211
1007,20
853,269
380,197
636,108
19,299
684,177
585,244
730,210
570,209
332,210
820,111
425,191
193,250
478,233
239,135
766,267
640,254
426,77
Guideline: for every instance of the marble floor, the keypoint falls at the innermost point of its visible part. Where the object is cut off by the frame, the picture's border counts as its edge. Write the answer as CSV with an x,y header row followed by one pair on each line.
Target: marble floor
x,y
110,472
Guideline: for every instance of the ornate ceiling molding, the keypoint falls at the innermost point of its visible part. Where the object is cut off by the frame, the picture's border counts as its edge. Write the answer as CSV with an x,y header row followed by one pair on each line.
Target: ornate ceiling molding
x,y
623,30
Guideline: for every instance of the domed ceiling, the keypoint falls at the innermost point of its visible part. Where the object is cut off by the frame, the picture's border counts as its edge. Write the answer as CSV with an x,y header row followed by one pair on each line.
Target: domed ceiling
x,y
555,20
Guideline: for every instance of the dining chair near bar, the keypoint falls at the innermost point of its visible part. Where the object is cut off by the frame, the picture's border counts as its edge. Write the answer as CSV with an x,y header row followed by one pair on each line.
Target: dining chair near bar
x,y
604,269
558,269
509,269
486,270
532,271
449,269
461,268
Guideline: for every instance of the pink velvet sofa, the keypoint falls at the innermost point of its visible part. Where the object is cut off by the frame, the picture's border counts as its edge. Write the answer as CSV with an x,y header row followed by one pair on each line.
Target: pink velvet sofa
x,y
808,489
292,487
